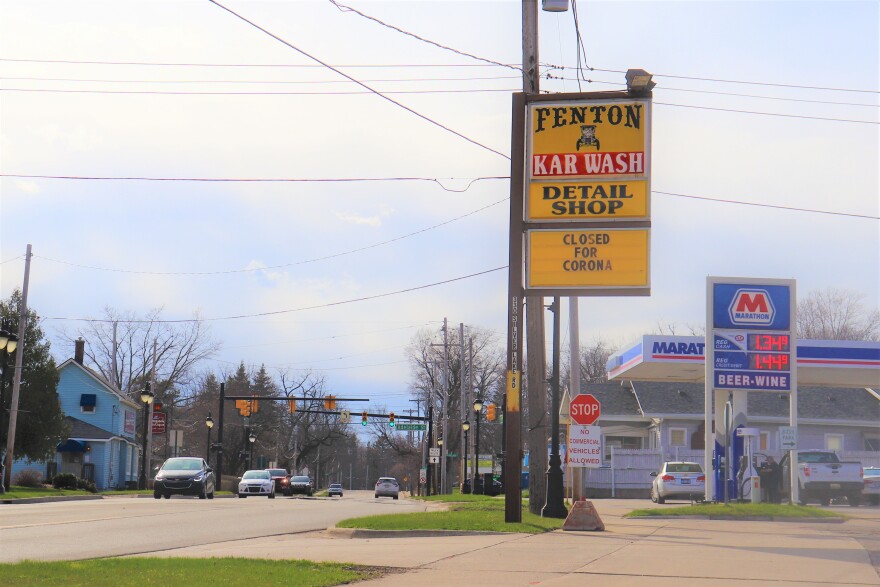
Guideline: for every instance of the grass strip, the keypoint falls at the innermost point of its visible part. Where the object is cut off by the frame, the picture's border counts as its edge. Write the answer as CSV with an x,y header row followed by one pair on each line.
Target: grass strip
x,y
140,572
737,510
484,514
17,492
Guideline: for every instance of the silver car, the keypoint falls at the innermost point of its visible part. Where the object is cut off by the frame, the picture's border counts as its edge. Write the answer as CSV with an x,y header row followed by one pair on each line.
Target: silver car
x,y
256,483
387,487
678,479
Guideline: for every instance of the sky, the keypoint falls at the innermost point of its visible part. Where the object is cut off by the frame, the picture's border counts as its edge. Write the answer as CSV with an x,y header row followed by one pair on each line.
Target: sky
x,y
768,106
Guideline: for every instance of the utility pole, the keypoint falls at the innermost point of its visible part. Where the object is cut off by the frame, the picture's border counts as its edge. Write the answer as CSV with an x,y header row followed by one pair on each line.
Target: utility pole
x,y
473,391
577,473
149,407
218,467
463,406
445,414
16,375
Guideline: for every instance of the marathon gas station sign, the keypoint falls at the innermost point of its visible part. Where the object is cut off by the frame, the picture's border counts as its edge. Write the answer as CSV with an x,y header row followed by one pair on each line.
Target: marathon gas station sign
x,y
587,195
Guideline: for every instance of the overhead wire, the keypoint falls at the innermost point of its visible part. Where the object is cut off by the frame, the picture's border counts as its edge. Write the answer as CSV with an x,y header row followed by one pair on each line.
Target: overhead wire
x,y
365,86
344,8
278,312
282,65
230,81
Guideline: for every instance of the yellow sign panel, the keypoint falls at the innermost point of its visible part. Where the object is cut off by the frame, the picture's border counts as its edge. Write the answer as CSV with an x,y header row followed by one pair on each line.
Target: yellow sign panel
x,y
593,139
605,200
613,258
513,391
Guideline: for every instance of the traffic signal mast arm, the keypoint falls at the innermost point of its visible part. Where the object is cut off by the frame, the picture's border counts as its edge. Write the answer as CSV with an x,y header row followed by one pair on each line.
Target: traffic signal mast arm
x,y
321,399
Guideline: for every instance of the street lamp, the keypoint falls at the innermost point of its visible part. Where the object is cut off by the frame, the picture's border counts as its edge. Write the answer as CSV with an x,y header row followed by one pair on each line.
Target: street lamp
x,y
465,426
209,423
638,82
252,439
147,399
478,408
8,342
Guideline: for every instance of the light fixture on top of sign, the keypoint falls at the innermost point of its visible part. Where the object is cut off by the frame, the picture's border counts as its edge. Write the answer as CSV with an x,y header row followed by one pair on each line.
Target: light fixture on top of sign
x,y
638,82
554,5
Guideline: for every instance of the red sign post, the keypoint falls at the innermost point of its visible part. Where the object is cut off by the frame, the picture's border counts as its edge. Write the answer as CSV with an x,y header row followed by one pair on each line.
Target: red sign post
x,y
584,409
158,423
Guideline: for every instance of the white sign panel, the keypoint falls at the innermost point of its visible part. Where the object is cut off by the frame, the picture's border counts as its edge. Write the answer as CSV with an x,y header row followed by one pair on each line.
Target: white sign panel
x,y
433,452
788,438
585,446
433,460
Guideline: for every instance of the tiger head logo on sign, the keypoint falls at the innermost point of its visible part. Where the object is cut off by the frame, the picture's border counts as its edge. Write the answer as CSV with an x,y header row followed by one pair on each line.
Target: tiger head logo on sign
x,y
751,307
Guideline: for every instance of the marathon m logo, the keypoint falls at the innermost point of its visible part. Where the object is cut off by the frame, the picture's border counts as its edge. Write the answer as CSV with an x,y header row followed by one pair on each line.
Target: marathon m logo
x,y
752,307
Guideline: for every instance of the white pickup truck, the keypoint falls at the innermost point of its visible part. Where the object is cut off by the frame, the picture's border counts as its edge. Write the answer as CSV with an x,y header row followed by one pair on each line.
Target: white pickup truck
x,y
822,476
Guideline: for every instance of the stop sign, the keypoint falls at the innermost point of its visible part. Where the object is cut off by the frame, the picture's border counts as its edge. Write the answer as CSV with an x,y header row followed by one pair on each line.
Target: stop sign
x,y
584,409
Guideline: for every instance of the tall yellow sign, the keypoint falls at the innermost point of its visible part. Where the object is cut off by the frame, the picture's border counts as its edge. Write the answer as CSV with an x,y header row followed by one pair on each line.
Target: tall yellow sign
x,y
588,165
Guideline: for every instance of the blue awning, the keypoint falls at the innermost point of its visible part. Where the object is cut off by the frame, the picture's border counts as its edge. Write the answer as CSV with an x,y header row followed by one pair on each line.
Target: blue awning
x,y
71,445
88,400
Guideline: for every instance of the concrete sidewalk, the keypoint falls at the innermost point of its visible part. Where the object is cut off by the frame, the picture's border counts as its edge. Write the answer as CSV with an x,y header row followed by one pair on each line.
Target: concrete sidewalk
x,y
630,552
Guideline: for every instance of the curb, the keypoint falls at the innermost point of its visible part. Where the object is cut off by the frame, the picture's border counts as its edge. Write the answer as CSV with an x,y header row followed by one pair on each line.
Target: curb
x,y
52,498
834,520
362,533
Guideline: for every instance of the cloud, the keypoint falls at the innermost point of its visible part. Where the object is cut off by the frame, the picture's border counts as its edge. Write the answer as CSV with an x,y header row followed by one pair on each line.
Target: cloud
x,y
374,220
28,187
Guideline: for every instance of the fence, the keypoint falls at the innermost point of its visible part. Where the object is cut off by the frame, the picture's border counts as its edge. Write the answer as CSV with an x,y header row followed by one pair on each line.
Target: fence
x,y
627,474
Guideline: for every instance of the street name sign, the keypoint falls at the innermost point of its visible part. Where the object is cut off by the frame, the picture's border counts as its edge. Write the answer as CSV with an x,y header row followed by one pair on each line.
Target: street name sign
x,y
410,427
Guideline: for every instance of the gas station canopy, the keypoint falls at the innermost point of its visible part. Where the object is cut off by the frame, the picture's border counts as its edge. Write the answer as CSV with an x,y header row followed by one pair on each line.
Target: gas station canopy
x,y
830,363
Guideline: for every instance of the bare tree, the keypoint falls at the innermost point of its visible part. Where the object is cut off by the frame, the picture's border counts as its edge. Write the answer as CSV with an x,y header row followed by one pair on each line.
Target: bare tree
x,y
180,346
837,314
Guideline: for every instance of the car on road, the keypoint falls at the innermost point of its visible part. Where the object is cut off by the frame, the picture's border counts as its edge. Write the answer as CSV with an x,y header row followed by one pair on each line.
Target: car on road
x,y
301,484
184,476
678,480
387,487
871,491
281,479
822,476
256,482
335,489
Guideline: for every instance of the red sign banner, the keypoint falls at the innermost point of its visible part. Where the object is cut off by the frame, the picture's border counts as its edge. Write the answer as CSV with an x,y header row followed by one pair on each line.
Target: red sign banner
x,y
158,422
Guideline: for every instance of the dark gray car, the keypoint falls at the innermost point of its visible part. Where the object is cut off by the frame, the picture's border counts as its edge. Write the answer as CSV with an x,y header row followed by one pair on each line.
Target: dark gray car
x,y
184,476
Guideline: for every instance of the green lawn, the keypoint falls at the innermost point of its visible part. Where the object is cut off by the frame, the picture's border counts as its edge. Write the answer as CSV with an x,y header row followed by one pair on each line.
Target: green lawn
x,y
737,510
466,512
17,492
140,572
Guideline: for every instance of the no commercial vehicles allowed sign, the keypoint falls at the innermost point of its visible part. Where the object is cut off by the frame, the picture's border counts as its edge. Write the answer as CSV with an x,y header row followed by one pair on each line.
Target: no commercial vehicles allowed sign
x,y
585,446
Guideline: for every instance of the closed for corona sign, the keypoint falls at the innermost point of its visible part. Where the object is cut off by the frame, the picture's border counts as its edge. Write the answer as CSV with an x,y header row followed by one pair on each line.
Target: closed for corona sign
x,y
588,258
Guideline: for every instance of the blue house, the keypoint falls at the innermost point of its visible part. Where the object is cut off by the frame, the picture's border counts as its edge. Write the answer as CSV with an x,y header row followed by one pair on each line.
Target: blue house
x,y
101,446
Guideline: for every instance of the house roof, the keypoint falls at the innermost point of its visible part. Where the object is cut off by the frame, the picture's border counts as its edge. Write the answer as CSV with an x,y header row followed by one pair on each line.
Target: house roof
x,y
657,398
100,379
84,430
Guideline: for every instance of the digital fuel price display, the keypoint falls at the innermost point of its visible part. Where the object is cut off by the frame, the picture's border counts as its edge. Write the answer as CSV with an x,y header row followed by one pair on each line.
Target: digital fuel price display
x,y
752,360
769,342
769,362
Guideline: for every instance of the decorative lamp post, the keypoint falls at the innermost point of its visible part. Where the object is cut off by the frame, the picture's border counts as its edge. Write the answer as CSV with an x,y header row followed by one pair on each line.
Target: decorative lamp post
x,y
147,399
465,426
8,342
209,423
478,407
252,439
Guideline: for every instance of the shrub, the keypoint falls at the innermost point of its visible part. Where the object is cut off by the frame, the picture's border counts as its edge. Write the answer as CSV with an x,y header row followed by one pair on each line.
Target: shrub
x,y
28,478
86,485
64,481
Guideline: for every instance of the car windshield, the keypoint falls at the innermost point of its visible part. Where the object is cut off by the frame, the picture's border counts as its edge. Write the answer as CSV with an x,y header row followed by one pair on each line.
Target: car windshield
x,y
683,468
255,475
278,472
391,480
335,485
182,465
817,457
299,479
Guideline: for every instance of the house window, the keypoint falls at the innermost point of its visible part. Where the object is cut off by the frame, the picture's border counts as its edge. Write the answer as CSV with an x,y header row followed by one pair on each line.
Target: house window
x,y
87,402
834,442
764,441
622,442
872,443
678,437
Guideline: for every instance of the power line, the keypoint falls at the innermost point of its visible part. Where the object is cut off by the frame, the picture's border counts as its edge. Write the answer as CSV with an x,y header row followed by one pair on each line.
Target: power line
x,y
770,113
277,312
791,208
254,269
207,93
344,8
289,65
363,85
229,81
748,82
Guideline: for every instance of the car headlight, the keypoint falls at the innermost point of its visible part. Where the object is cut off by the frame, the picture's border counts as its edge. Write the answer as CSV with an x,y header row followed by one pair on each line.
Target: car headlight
x,y
159,477
199,477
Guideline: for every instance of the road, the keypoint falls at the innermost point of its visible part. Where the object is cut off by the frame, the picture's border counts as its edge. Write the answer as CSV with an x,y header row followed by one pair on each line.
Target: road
x,y
124,525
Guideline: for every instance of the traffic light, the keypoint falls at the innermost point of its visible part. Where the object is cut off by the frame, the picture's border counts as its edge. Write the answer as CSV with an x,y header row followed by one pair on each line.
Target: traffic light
x,y
330,402
291,405
490,412
254,406
364,418
391,419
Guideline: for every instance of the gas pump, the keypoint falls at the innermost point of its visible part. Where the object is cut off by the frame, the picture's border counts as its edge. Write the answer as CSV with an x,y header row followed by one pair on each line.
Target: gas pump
x,y
747,474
